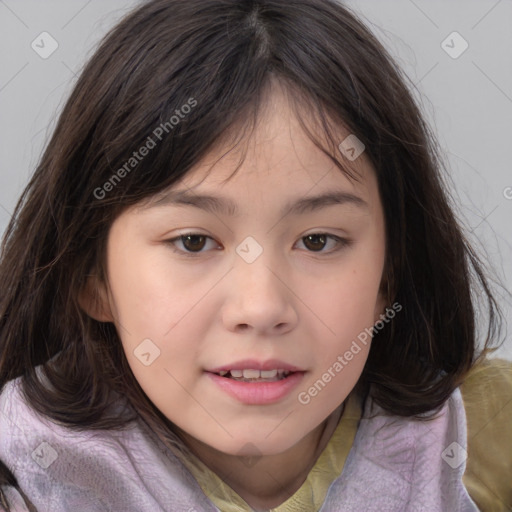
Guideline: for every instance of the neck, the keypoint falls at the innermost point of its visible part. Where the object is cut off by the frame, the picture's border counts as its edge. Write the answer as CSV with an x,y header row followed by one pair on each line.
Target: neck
x,y
278,476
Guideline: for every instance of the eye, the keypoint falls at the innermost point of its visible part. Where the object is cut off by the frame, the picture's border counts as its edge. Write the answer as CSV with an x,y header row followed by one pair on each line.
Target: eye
x,y
317,241
193,243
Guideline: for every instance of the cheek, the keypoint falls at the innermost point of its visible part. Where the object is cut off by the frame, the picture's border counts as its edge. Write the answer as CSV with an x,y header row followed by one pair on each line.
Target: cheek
x,y
150,296
346,305
350,295
156,302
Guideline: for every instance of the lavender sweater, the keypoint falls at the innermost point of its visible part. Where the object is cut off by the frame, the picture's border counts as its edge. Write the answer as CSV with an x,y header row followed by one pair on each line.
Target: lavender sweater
x,y
395,464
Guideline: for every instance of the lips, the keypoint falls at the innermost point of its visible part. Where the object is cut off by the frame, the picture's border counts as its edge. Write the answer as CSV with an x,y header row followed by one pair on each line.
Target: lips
x,y
253,364
254,374
258,391
251,375
257,382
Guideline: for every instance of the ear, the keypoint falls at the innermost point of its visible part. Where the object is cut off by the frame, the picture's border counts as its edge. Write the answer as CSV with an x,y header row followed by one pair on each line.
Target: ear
x,y
383,298
93,299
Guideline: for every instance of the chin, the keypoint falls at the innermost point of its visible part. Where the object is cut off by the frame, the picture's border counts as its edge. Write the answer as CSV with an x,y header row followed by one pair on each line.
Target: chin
x,y
257,447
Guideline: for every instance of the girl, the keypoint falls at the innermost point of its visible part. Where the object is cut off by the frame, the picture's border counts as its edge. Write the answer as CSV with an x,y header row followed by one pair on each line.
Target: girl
x,y
235,282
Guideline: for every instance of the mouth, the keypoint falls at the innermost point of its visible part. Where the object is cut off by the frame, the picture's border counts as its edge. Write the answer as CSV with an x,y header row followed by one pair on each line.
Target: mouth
x,y
253,375
257,387
255,382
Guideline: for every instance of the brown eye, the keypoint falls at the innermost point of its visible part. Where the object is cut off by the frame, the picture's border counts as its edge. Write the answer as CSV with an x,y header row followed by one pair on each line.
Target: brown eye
x,y
193,242
315,242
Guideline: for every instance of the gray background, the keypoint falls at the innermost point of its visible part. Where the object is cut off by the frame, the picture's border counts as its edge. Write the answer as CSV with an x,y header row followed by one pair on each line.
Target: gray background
x,y
467,99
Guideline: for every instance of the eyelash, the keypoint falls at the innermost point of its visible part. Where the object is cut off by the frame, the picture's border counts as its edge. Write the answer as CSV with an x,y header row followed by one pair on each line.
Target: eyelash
x,y
342,243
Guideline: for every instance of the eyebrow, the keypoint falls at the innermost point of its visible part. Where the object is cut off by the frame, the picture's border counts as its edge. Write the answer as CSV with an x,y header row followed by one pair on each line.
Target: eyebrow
x,y
226,206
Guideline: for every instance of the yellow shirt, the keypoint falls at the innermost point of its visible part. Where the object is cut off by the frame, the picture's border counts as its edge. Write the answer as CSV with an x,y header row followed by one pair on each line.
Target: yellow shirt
x,y
487,396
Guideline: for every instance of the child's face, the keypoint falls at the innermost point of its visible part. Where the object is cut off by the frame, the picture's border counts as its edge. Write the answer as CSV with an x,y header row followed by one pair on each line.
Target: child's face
x,y
299,301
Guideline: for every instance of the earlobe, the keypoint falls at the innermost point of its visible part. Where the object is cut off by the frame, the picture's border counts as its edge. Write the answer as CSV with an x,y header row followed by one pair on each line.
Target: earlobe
x,y
380,308
382,299
93,299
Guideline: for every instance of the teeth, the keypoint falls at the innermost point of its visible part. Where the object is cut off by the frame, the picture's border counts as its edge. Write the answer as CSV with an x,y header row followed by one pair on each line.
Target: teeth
x,y
251,374
255,374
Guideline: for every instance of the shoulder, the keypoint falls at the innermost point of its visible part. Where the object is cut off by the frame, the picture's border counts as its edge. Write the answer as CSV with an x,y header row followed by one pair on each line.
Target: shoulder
x,y
19,424
22,436
29,445
61,468
487,396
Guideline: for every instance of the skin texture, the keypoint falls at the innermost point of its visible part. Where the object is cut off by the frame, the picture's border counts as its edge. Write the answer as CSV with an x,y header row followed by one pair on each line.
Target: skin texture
x,y
297,302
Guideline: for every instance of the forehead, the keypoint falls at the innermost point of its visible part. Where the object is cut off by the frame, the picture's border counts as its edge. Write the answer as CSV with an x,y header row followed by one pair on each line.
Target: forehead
x,y
276,159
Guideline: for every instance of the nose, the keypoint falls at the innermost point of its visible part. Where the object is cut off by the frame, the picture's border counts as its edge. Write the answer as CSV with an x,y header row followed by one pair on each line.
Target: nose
x,y
259,298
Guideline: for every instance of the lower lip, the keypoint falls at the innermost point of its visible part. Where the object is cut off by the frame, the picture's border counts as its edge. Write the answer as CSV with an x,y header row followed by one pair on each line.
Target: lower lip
x,y
258,393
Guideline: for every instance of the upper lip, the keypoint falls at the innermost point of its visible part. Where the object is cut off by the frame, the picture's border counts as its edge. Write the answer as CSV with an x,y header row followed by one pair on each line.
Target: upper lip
x,y
252,364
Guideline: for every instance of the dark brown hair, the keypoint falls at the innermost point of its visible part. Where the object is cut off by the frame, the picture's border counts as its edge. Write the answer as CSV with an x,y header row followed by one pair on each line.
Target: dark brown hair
x,y
222,54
